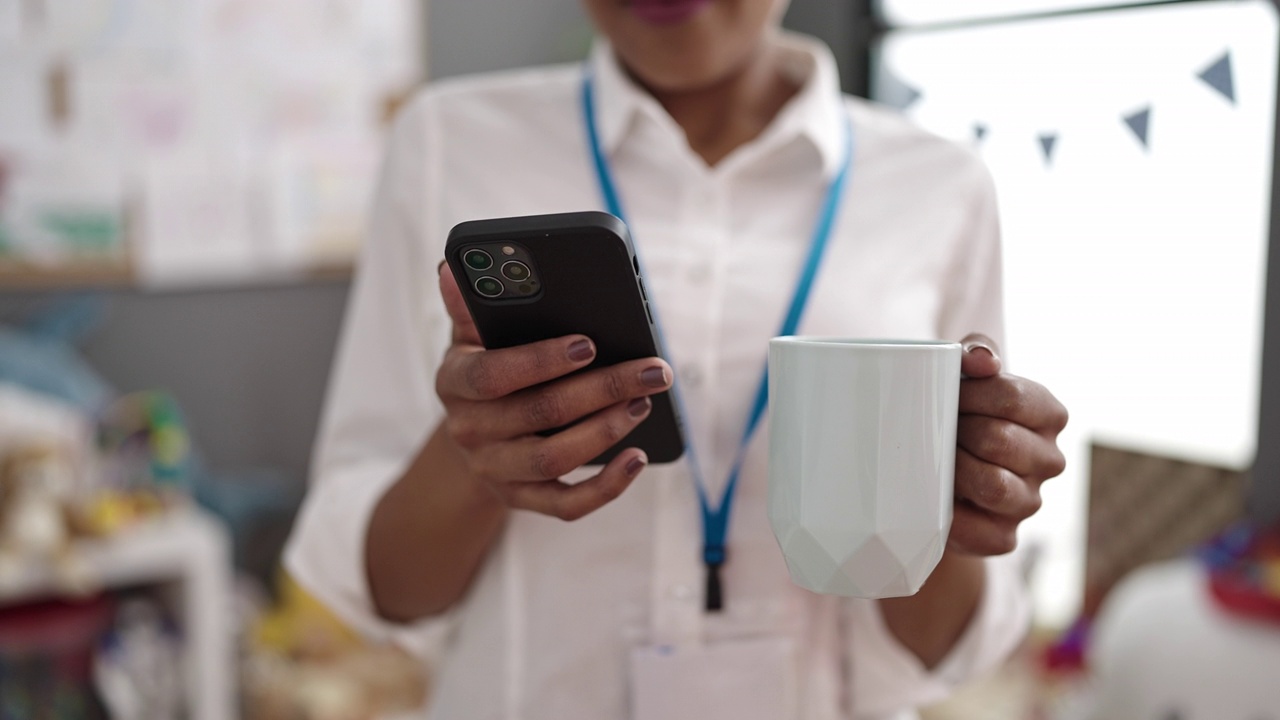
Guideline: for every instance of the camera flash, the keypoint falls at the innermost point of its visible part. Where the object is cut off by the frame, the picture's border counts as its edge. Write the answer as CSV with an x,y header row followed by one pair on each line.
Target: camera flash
x,y
508,251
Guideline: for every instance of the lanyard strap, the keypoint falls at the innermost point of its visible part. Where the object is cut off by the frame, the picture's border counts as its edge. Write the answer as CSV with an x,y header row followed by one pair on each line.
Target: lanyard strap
x,y
715,518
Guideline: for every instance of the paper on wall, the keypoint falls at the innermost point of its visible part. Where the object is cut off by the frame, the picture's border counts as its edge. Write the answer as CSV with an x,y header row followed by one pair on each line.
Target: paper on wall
x,y
321,190
62,204
11,25
131,109
162,31
23,100
200,222
248,130
388,40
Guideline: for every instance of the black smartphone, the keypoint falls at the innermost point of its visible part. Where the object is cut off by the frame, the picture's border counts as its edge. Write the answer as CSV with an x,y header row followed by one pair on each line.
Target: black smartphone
x,y
532,278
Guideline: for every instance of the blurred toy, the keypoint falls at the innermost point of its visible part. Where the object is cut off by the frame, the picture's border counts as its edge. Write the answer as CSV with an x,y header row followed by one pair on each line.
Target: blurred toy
x,y
146,461
1066,654
1244,571
39,518
146,437
138,668
304,664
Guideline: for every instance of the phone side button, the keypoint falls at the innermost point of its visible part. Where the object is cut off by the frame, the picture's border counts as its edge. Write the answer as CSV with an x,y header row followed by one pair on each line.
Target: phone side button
x,y
648,312
643,294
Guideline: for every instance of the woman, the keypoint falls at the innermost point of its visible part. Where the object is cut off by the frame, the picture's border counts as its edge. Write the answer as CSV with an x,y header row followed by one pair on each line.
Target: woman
x,y
438,510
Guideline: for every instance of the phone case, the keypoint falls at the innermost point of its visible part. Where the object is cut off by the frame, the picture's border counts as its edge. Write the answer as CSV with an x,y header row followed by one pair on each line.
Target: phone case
x,y
581,276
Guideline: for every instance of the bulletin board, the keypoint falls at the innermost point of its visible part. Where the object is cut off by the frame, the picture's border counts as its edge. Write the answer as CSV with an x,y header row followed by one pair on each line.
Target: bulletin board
x,y
196,141
1132,151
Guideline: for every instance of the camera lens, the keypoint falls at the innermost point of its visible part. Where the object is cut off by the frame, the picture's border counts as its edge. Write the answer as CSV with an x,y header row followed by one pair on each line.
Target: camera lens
x,y
489,287
516,271
478,260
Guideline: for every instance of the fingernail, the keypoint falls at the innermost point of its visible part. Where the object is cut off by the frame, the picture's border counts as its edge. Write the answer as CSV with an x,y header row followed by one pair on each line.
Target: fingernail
x,y
440,267
655,377
639,407
581,351
636,465
973,345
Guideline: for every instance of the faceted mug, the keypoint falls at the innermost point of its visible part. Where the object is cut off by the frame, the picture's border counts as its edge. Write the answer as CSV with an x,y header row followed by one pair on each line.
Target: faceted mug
x,y
862,454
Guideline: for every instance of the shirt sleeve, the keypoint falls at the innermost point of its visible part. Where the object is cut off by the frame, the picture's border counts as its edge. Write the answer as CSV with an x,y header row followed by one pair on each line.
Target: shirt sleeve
x,y
973,294
381,403
887,679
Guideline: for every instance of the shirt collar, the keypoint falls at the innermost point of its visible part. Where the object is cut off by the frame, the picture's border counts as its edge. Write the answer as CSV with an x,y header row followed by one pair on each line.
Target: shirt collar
x,y
816,113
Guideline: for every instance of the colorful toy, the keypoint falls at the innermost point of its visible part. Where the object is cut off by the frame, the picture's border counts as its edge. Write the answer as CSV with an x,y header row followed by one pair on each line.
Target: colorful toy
x,y
146,461
146,438
1244,571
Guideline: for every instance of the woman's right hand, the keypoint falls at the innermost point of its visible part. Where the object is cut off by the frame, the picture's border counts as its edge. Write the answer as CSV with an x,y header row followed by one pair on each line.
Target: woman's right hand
x,y
496,401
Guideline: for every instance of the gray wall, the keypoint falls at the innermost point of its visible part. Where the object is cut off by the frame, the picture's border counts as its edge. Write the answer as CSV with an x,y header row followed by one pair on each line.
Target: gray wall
x,y
247,365
469,36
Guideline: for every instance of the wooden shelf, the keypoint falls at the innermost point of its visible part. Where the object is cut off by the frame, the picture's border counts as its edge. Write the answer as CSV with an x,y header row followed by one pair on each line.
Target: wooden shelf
x,y
16,276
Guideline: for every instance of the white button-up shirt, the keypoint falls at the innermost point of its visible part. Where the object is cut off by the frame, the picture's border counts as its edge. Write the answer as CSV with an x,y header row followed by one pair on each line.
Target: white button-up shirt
x,y
546,630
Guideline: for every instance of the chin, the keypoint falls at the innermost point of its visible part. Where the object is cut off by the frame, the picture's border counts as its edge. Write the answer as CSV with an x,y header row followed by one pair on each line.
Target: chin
x,y
684,67
717,38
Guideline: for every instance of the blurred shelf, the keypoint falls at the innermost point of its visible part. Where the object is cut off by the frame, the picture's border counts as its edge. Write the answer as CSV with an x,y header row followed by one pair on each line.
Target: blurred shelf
x,y
87,276
19,276
337,271
186,548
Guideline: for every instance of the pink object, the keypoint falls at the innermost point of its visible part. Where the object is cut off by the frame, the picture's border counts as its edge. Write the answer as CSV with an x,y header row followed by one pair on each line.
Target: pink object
x,y
64,631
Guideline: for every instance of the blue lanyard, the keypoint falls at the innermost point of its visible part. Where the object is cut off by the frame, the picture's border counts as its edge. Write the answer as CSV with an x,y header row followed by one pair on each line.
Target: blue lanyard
x,y
715,519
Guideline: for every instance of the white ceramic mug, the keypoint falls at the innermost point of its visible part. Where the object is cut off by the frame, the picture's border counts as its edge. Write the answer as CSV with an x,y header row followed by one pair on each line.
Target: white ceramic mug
x,y
862,454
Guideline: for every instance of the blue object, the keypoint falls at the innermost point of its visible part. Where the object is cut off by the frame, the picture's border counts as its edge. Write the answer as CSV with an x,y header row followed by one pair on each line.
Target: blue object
x,y
42,357
715,519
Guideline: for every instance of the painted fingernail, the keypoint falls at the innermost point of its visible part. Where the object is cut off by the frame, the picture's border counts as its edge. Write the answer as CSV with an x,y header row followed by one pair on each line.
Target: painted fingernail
x,y
655,377
636,465
973,345
581,351
639,407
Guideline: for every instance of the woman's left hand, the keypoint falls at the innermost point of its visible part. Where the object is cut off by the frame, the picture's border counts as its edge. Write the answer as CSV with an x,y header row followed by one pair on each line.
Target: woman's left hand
x,y
1006,447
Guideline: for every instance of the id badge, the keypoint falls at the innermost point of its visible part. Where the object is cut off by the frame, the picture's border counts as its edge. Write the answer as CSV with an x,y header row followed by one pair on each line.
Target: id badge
x,y
734,680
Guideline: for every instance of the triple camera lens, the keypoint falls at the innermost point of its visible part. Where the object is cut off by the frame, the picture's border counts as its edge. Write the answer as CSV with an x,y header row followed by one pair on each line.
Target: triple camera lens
x,y
489,287
478,260
492,279
516,271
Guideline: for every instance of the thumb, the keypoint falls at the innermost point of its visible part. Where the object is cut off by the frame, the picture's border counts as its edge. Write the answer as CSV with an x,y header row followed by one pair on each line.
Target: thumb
x,y
464,328
980,357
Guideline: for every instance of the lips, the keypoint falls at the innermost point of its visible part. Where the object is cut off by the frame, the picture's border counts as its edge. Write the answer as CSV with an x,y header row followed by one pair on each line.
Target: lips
x,y
667,12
